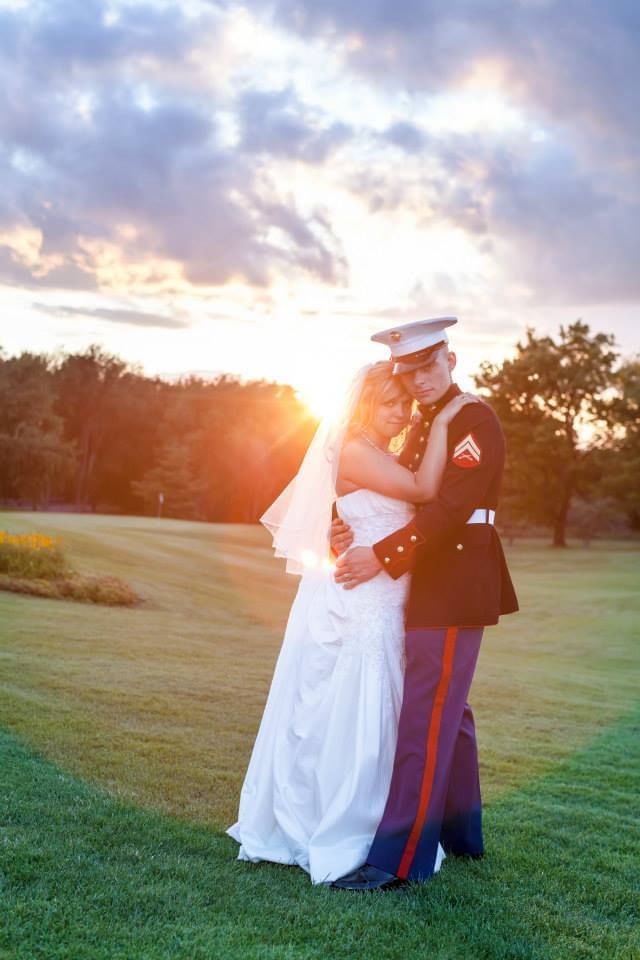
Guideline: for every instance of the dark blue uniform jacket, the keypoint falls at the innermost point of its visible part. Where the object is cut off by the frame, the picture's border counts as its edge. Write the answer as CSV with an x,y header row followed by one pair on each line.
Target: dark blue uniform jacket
x,y
459,573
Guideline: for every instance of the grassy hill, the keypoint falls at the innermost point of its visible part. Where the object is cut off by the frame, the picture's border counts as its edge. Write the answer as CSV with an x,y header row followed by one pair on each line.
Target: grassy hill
x,y
159,704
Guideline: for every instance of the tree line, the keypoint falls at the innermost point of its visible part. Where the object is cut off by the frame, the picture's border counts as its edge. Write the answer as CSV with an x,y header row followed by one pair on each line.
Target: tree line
x,y
88,431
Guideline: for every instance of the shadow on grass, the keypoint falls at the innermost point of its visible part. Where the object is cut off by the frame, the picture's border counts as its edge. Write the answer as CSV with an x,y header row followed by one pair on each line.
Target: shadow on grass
x,y
85,876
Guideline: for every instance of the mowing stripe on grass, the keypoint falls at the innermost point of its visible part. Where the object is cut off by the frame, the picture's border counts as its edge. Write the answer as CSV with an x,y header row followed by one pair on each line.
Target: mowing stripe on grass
x,y
86,877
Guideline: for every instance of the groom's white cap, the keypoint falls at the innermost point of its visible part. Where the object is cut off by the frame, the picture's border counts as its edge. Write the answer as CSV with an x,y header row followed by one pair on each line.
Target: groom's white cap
x,y
412,344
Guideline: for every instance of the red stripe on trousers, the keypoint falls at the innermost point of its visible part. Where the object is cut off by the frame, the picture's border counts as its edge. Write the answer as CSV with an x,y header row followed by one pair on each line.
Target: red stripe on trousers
x,y
431,754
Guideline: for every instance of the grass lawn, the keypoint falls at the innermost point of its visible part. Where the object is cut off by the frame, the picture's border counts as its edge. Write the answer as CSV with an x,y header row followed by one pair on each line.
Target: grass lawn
x,y
128,732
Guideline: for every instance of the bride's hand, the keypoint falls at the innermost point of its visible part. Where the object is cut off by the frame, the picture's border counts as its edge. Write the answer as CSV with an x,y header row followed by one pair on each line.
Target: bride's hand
x,y
454,407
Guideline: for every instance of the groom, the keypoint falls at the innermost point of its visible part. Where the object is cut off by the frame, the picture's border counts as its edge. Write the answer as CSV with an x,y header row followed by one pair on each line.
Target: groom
x,y
459,584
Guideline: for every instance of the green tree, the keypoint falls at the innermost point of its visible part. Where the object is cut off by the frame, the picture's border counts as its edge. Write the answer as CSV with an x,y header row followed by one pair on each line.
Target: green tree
x,y
91,401
34,455
173,480
251,440
173,469
621,458
133,441
552,400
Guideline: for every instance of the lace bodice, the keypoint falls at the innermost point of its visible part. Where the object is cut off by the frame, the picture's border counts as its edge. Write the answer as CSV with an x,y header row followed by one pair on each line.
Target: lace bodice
x,y
373,516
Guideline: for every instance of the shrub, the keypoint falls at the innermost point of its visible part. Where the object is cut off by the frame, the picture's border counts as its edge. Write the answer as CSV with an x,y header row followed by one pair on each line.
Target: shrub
x,y
31,555
36,564
109,590
105,590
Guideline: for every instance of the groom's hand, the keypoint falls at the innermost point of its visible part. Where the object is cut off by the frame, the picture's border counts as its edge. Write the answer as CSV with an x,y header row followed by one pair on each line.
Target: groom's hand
x,y
356,567
341,536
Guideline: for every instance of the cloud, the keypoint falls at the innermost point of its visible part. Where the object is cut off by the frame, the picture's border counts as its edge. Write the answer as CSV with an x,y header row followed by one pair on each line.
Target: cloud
x,y
576,59
70,35
549,224
407,136
563,232
119,164
558,198
276,122
136,153
138,318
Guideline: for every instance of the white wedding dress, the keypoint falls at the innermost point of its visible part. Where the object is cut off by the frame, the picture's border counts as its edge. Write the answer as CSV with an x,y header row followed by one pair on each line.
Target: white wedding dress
x,y
320,770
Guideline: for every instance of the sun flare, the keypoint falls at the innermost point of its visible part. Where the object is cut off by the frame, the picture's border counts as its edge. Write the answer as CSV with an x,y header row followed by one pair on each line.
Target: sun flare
x,y
322,398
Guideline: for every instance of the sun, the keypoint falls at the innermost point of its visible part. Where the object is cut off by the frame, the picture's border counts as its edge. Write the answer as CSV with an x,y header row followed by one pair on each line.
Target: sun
x,y
329,390
321,397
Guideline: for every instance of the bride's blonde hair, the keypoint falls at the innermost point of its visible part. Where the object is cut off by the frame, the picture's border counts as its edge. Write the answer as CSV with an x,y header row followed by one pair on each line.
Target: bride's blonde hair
x,y
376,386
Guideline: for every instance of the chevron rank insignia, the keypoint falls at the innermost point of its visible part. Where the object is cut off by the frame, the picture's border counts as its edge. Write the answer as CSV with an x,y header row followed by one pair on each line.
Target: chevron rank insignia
x,y
467,454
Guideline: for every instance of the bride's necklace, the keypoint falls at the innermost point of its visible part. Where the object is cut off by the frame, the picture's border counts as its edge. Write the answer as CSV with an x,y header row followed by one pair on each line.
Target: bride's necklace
x,y
372,443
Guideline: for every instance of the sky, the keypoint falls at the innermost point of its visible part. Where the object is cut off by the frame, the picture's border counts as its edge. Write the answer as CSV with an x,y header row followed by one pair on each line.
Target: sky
x,y
257,187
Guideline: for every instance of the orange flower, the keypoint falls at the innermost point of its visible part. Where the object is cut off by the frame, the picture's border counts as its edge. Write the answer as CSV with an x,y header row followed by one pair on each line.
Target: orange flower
x,y
29,541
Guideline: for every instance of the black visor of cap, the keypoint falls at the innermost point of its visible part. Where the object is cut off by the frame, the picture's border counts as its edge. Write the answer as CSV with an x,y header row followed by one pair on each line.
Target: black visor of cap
x,y
412,361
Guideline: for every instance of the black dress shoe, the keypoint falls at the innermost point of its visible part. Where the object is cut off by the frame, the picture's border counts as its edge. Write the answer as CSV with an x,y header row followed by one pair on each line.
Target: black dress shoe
x,y
367,877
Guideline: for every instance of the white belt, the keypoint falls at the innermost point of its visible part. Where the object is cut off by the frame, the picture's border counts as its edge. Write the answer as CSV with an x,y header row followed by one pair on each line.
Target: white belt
x,y
482,515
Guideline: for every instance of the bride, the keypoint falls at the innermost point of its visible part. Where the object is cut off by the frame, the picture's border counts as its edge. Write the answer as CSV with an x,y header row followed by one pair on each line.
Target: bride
x,y
319,774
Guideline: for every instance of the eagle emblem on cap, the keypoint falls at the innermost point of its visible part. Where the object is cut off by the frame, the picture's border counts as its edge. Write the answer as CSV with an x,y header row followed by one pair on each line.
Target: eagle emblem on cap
x,y
395,335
